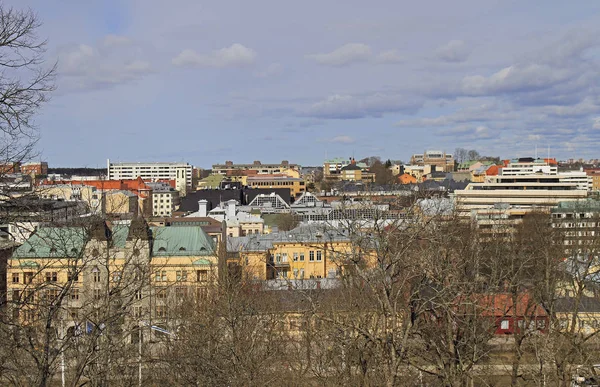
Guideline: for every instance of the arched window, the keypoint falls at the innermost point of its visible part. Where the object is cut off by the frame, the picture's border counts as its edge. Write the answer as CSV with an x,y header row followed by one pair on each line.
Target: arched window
x,y
182,249
73,250
53,249
162,249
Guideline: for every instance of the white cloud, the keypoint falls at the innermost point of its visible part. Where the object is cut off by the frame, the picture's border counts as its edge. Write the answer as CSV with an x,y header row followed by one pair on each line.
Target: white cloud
x,y
345,55
389,56
534,137
515,78
480,132
110,62
373,105
273,70
453,51
115,40
232,56
342,140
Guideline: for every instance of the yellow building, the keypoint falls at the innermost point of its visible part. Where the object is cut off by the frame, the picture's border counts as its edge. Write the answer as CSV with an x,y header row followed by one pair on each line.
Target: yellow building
x,y
297,186
306,252
82,270
586,313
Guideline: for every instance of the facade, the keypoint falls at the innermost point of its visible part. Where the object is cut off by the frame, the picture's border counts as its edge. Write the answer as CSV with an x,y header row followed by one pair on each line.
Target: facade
x,y
594,174
165,199
144,271
306,252
237,223
260,168
443,160
531,192
35,168
296,185
180,172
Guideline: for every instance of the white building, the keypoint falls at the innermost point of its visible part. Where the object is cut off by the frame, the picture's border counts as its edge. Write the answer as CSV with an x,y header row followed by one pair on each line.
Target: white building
x,y
180,172
238,223
165,199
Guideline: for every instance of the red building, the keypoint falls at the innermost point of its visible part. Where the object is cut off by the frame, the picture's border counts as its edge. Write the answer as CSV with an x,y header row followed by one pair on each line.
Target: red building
x,y
35,168
510,316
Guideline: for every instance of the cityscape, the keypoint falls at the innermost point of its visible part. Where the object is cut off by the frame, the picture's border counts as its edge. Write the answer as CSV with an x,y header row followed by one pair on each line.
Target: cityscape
x,y
426,226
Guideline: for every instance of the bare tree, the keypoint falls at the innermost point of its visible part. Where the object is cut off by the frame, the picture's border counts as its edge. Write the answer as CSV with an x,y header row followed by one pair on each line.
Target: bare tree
x,y
25,82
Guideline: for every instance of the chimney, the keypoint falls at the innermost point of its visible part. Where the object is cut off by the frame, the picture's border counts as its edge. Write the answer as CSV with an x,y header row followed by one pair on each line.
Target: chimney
x,y
202,207
230,212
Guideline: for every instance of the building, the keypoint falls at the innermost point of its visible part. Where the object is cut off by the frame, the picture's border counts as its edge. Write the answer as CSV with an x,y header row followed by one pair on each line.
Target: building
x,y
260,168
306,252
443,160
594,174
529,191
165,199
35,168
296,185
146,271
22,216
237,223
180,172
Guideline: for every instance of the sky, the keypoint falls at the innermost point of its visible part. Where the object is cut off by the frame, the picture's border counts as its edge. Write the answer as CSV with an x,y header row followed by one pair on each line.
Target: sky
x,y
270,80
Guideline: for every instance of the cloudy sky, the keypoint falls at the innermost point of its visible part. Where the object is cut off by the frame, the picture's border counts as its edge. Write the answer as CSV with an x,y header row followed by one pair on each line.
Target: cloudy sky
x,y
209,81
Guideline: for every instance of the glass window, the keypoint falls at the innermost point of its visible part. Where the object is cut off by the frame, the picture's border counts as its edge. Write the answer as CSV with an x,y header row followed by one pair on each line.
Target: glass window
x,y
311,256
504,324
319,255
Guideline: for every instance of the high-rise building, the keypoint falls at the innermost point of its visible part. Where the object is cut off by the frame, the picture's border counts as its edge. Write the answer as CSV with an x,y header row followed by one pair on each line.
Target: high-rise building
x,y
180,172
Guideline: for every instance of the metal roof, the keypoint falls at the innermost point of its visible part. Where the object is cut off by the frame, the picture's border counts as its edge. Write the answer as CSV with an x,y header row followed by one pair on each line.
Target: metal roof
x,y
181,241
57,242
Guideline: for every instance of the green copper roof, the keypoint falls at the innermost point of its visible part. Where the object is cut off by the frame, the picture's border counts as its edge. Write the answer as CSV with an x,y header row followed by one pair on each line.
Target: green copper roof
x,y
201,262
119,235
181,241
53,242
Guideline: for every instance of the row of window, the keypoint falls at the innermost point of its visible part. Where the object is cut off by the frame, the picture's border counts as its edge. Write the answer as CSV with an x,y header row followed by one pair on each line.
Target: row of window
x,y
181,275
283,257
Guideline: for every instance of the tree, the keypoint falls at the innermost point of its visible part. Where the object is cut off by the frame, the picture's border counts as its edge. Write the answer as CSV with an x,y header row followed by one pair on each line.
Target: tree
x,y
25,83
286,221
473,155
383,175
460,155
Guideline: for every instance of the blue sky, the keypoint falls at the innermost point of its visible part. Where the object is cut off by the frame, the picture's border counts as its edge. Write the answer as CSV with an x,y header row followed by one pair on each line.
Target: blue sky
x,y
209,81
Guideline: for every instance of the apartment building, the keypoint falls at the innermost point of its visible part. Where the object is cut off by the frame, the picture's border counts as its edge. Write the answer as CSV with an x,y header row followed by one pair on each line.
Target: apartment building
x,y
443,160
260,168
306,252
180,172
296,185
35,168
102,264
165,199
531,192
578,223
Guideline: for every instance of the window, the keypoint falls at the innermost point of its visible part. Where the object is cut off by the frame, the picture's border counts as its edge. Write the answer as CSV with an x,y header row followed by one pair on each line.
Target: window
x,y
201,275
284,257
15,278
74,294
301,257
136,311
16,295
51,295
161,311
301,273
51,276
319,255
311,256
116,276
201,293
73,277
96,274
504,324
277,258
97,294
181,275
160,276
295,257
138,294
180,293
161,293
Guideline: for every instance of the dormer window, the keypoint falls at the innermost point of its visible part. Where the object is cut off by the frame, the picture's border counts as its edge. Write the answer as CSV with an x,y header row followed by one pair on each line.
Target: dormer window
x,y
162,249
53,250
182,249
32,250
73,251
